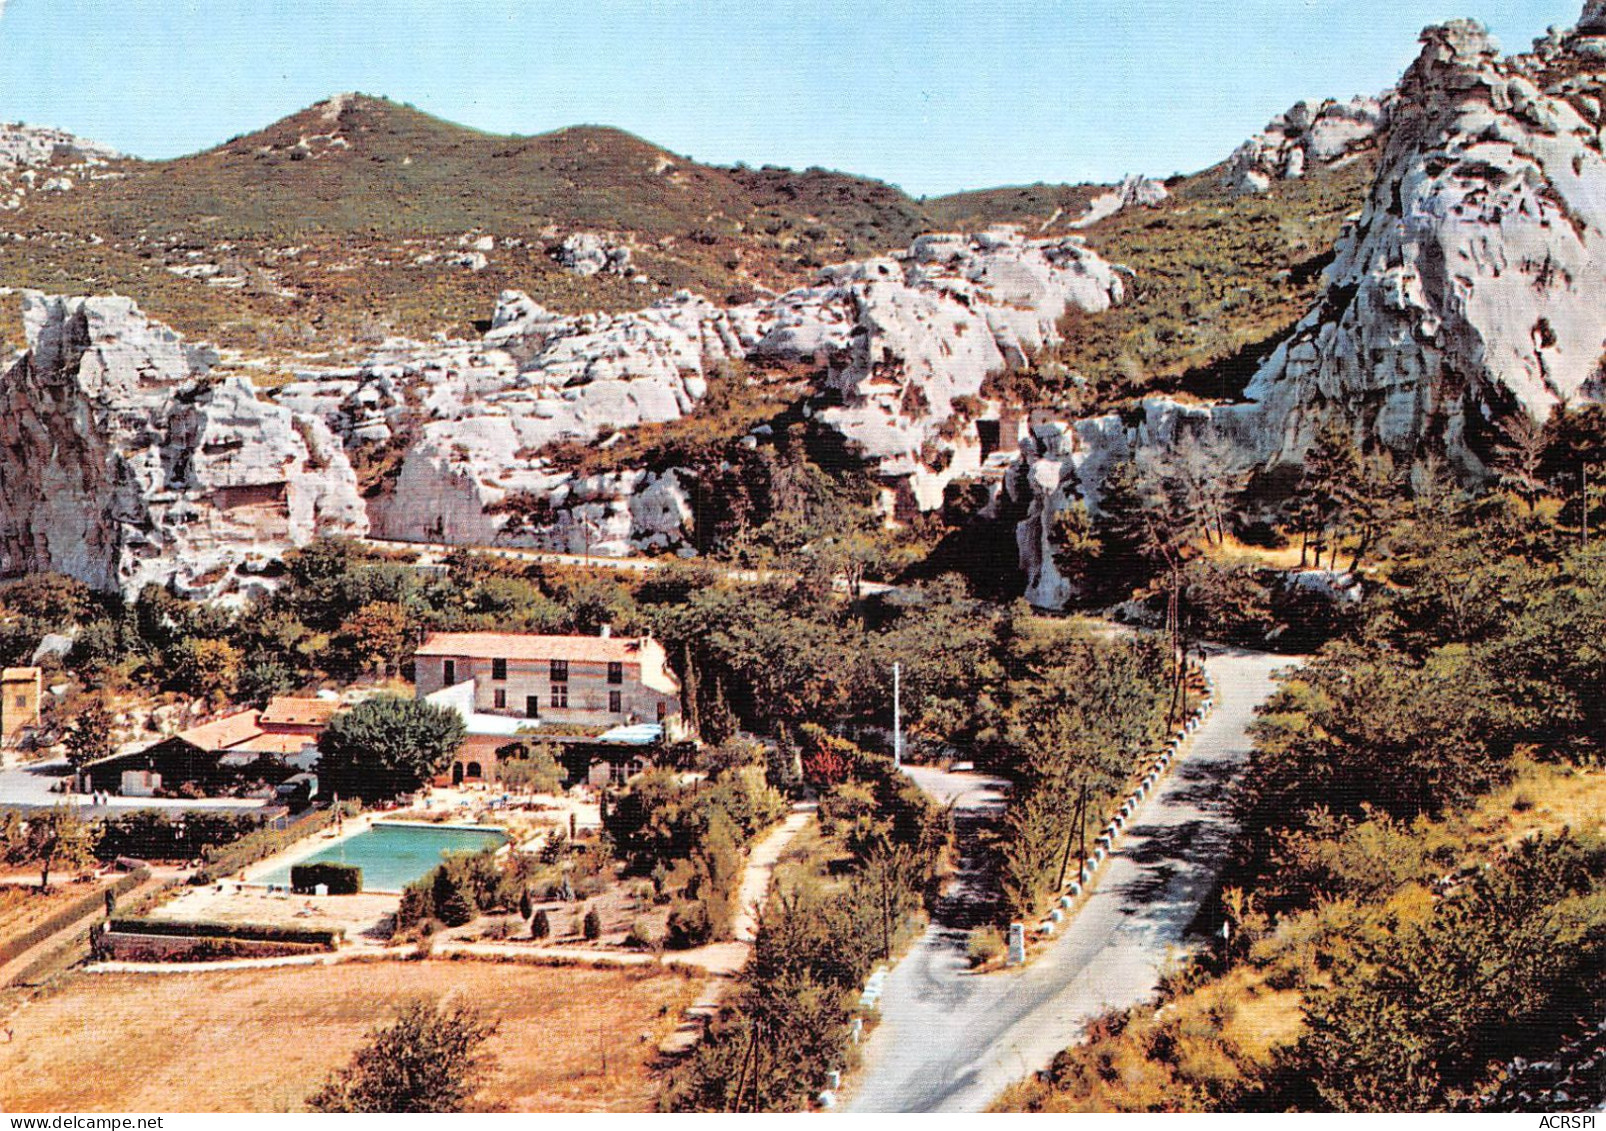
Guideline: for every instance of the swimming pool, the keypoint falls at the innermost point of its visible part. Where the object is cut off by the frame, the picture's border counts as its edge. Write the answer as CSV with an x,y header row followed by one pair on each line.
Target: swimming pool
x,y
392,856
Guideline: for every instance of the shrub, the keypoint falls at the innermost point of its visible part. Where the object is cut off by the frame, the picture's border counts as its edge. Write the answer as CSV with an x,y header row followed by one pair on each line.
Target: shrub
x,y
340,879
228,859
453,900
689,925
592,928
641,936
540,925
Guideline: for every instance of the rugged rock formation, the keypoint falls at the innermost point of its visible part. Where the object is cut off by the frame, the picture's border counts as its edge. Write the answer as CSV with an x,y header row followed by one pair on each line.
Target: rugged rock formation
x,y
1065,461
586,253
125,463
1133,192
484,412
894,344
38,159
1466,290
1303,138
1469,286
901,340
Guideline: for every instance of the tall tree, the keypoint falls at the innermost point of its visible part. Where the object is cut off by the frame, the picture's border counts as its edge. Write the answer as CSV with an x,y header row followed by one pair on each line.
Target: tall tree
x,y
88,737
1520,459
388,745
1332,472
59,839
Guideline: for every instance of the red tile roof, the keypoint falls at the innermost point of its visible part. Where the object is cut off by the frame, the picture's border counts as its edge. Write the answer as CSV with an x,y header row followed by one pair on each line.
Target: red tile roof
x,y
524,646
277,743
288,710
220,734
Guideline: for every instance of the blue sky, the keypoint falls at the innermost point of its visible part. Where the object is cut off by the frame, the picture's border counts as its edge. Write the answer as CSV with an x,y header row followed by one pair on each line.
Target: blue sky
x,y
934,97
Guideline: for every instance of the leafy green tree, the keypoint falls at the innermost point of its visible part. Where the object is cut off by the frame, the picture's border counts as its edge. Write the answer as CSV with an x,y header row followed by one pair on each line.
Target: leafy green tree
x,y
1414,1016
430,1059
533,768
52,600
1329,484
88,737
264,677
1576,450
1520,459
387,745
57,839
377,637
1074,543
209,668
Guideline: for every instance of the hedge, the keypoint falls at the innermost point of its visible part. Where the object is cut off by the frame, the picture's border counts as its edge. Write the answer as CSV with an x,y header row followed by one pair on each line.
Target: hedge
x,y
260,932
340,879
67,916
155,834
122,947
261,844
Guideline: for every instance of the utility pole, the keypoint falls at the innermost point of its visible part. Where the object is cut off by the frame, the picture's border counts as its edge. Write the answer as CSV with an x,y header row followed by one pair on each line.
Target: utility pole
x,y
897,717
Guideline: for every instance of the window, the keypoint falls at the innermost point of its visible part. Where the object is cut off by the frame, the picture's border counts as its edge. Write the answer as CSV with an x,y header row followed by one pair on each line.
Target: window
x,y
560,671
616,672
615,702
449,672
22,701
499,699
498,669
560,695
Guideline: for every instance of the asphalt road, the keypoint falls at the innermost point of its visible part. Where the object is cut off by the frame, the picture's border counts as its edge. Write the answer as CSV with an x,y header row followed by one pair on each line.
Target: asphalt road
x,y
950,1040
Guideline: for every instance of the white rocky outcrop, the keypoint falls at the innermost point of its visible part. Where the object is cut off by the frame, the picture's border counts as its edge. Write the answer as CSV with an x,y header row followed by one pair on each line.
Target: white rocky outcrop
x,y
587,253
127,464
38,158
1303,138
892,344
1469,286
482,414
1134,191
900,339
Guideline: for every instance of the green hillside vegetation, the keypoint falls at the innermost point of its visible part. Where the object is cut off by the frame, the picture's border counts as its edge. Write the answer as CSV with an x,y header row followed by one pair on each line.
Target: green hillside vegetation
x,y
323,215
1217,281
1039,209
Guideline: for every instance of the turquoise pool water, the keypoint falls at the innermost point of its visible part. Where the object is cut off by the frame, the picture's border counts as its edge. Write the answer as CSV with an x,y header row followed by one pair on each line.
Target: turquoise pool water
x,y
393,856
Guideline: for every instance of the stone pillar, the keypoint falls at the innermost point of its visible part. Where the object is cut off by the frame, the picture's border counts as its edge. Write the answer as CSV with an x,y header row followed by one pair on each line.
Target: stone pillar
x,y
1017,944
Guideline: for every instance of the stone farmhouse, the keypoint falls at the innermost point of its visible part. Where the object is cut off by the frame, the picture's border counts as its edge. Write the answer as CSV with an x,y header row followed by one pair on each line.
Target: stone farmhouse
x,y
602,681
513,688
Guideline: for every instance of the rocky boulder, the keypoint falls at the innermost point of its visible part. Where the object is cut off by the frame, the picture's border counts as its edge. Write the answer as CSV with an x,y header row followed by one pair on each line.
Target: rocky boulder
x,y
127,463
40,159
1468,287
1302,139
1134,191
586,253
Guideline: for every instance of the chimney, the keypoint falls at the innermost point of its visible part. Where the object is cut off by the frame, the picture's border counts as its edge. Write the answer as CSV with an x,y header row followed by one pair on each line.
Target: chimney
x,y
605,631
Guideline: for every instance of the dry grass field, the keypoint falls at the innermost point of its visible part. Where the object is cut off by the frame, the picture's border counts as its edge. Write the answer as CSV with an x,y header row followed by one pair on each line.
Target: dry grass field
x,y
262,1040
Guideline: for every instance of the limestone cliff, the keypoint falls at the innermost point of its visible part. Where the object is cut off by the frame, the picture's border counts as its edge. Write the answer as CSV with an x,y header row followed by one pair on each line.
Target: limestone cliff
x,y
899,349
124,463
1469,286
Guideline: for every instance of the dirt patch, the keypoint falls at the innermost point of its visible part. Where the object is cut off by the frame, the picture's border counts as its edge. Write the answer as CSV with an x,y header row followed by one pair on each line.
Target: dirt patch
x,y
262,1040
